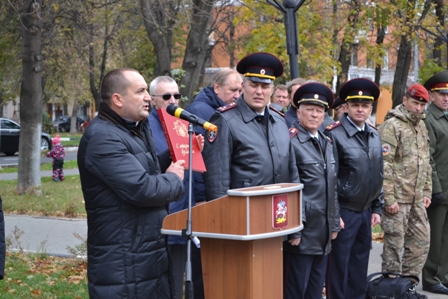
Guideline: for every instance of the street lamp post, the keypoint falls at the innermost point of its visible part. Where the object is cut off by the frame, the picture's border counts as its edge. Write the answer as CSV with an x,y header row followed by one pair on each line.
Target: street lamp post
x,y
442,36
289,9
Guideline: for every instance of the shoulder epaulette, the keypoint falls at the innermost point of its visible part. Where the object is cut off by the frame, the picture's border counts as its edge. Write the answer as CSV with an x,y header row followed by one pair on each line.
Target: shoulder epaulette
x,y
373,127
227,107
293,132
333,125
273,109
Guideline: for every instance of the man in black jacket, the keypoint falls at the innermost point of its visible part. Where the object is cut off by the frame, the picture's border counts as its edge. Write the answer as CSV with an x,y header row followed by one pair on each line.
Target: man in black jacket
x,y
252,145
360,181
306,252
127,189
225,88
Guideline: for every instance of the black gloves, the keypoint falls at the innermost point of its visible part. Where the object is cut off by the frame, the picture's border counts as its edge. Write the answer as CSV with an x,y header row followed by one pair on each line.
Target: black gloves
x,y
436,199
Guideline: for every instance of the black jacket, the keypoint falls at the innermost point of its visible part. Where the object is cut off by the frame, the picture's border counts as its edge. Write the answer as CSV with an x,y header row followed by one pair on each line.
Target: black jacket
x,y
360,161
249,150
318,173
126,197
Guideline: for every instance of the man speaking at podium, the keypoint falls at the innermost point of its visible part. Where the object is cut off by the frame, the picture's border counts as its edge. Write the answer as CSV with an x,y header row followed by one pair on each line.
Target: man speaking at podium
x,y
252,145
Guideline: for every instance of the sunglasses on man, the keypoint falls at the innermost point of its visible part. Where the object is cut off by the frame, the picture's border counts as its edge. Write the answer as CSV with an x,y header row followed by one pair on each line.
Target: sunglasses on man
x,y
167,96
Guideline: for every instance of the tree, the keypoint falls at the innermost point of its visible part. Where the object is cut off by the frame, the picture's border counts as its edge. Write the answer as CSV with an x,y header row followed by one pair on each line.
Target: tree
x,y
159,18
31,98
196,51
409,15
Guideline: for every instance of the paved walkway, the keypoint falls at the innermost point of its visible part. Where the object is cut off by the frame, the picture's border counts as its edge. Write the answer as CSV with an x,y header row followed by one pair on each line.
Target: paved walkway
x,y
54,235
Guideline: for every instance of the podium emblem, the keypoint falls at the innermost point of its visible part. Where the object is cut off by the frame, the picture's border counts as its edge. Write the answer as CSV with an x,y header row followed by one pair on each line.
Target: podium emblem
x,y
279,211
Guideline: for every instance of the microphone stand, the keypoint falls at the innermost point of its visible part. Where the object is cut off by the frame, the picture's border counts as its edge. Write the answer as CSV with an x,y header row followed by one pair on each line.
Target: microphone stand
x,y
187,232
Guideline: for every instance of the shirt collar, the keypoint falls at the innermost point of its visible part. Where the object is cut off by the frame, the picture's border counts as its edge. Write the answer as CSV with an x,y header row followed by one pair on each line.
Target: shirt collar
x,y
358,128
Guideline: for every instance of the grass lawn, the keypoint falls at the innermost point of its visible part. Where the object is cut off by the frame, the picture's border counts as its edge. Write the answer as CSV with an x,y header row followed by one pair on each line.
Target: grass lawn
x,y
59,199
70,164
42,276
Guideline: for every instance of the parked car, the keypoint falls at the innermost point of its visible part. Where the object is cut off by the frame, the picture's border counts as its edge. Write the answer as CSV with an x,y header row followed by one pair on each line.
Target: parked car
x,y
9,137
62,123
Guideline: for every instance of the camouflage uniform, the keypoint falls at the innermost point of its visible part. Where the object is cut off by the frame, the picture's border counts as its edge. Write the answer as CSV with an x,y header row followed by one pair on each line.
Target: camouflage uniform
x,y
407,179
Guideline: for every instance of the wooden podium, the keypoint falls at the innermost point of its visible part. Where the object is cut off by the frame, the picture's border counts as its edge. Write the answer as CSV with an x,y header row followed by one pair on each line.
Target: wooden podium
x,y
241,238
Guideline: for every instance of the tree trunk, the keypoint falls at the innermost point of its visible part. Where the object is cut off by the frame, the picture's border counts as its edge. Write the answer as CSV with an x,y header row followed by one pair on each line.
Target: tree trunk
x,y
31,100
74,116
93,88
346,46
380,34
401,70
160,38
437,51
197,44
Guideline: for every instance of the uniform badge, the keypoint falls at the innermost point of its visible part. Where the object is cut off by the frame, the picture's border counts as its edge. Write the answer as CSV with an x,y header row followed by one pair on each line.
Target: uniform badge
x,y
333,125
386,149
293,132
211,135
227,107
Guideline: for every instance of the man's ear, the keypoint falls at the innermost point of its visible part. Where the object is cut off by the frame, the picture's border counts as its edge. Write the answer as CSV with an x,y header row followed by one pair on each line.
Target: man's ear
x,y
117,100
216,87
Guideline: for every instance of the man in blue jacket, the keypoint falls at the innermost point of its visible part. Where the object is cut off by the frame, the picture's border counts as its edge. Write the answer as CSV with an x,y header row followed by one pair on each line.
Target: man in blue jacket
x,y
165,91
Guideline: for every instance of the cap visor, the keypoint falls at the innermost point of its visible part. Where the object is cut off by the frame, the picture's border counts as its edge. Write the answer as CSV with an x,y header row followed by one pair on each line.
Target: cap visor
x,y
443,91
359,101
261,80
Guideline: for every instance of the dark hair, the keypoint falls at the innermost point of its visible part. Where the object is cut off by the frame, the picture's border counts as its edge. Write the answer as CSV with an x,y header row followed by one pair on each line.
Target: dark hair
x,y
114,82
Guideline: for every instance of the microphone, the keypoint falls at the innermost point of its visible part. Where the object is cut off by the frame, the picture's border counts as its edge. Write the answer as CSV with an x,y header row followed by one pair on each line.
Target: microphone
x,y
182,114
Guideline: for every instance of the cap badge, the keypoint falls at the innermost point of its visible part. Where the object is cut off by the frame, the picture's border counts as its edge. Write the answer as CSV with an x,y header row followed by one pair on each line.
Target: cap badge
x,y
412,92
262,71
360,93
316,96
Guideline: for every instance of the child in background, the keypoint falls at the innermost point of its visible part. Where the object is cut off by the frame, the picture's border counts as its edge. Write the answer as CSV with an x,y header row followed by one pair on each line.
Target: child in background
x,y
58,154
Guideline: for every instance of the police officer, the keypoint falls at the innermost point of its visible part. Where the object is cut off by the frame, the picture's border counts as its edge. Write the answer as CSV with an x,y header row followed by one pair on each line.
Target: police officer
x,y
306,252
407,184
435,271
252,145
360,181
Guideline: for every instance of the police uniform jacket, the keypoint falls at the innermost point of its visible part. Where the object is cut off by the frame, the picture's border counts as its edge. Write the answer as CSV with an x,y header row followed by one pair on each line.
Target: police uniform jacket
x,y
360,162
318,173
126,196
248,150
437,124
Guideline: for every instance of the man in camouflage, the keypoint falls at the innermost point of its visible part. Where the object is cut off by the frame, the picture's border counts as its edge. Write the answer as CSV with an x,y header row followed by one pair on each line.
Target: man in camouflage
x,y
407,184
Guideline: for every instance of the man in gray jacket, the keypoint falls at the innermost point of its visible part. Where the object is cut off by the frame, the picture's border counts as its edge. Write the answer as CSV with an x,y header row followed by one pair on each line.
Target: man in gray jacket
x,y
435,271
252,145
